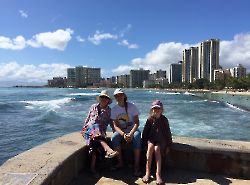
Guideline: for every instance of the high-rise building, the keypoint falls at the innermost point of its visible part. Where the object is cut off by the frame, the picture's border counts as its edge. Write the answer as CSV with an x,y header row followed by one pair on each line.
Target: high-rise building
x,y
123,80
186,65
71,77
83,76
190,64
175,72
137,77
238,71
209,58
161,74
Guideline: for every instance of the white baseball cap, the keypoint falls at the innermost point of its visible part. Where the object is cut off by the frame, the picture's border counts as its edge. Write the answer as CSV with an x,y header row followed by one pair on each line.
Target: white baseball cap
x,y
118,91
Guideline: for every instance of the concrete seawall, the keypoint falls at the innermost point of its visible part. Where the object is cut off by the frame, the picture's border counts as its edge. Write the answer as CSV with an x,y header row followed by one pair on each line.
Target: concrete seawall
x,y
59,161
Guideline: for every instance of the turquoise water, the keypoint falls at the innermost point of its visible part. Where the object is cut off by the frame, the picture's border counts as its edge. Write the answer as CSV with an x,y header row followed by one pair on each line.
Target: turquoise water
x,y
31,116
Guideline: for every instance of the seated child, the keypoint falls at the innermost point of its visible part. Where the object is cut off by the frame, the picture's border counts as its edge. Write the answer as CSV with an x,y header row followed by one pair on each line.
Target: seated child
x,y
157,138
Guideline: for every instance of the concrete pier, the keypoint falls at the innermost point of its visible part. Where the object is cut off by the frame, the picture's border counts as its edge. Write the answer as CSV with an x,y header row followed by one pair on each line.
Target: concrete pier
x,y
191,160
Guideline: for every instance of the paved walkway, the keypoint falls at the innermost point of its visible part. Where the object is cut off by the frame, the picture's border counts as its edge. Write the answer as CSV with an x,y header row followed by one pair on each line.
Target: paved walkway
x,y
172,176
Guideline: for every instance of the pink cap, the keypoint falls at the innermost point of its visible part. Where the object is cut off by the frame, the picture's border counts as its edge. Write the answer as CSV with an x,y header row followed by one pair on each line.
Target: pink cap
x,y
157,103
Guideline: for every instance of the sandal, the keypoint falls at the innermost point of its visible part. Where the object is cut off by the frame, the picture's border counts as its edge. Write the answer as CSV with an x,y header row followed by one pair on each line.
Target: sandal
x,y
111,155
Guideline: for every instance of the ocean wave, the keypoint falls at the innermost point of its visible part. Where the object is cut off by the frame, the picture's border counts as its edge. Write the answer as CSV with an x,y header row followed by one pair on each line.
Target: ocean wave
x,y
237,107
9,105
84,94
47,104
188,93
170,93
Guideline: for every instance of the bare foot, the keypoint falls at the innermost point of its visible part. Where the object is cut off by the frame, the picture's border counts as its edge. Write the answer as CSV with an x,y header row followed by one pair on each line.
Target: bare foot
x,y
158,179
145,179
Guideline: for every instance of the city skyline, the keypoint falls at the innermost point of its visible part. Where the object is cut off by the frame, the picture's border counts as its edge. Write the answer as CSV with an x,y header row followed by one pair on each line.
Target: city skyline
x,y
40,40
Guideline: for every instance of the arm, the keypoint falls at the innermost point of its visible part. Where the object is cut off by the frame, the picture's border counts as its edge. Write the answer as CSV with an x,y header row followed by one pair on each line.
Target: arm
x,y
136,125
117,128
84,127
145,133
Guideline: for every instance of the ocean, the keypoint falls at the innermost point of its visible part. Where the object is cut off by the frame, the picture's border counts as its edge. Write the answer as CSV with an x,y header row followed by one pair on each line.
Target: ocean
x,y
32,116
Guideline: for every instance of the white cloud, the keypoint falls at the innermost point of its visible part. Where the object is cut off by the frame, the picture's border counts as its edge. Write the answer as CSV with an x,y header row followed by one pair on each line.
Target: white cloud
x,y
236,51
80,39
160,58
98,37
23,14
17,43
13,72
53,40
127,44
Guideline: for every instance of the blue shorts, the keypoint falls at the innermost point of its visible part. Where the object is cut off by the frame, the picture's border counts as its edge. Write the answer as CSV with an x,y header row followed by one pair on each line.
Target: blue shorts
x,y
116,140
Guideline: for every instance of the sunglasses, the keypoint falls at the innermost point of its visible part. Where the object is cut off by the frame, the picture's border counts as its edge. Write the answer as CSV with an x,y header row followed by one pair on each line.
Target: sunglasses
x,y
104,97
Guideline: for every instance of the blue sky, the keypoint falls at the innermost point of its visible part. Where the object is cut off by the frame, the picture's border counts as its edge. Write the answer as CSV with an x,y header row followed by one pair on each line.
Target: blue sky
x,y
40,39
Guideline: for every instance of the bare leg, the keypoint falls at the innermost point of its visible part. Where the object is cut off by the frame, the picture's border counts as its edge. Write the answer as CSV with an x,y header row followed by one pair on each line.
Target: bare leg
x,y
106,147
149,156
137,153
158,164
119,157
93,162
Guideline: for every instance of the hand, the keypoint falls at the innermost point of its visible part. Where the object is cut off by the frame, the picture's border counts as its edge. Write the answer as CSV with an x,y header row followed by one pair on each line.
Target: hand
x,y
128,137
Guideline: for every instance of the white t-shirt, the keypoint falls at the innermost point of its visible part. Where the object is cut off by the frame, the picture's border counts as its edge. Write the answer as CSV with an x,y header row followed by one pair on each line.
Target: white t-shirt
x,y
126,120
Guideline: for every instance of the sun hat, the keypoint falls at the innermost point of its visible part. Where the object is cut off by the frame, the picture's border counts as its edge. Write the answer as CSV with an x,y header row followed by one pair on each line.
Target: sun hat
x,y
118,91
104,93
157,103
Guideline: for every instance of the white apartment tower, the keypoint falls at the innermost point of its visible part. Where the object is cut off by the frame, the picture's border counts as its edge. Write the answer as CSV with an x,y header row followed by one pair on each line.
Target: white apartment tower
x,y
209,58
190,64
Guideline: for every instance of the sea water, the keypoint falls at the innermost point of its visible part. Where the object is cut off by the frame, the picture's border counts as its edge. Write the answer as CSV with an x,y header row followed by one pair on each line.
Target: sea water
x,y
31,116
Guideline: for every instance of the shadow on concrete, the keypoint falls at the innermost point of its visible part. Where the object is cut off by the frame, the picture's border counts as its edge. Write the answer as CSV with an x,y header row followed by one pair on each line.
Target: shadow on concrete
x,y
179,176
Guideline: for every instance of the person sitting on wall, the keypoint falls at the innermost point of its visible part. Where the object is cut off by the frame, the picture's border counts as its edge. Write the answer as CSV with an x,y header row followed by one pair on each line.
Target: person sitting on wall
x,y
125,117
157,138
94,130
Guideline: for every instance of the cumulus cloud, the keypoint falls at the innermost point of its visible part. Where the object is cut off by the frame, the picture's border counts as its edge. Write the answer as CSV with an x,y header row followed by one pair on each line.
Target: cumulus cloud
x,y
98,37
127,44
159,58
23,14
17,43
53,40
236,51
12,72
233,52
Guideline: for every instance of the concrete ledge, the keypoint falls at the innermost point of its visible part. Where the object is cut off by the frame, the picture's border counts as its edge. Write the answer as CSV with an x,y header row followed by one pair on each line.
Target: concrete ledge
x,y
55,162
230,158
59,161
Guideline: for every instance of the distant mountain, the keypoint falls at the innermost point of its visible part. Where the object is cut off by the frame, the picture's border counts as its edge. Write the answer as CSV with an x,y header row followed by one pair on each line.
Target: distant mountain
x,y
20,83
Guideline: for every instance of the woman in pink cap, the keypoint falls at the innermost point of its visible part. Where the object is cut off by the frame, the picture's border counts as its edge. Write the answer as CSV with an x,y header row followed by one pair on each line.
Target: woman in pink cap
x,y
157,138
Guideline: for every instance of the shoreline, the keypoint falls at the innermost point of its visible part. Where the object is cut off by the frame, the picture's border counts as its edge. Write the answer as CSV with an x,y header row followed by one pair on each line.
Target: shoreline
x,y
224,91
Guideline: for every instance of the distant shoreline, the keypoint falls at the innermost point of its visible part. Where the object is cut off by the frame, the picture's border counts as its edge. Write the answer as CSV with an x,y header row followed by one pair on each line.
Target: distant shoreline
x,y
231,92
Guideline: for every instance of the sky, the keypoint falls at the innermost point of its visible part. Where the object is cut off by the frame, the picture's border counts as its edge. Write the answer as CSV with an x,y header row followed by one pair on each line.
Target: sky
x,y
40,39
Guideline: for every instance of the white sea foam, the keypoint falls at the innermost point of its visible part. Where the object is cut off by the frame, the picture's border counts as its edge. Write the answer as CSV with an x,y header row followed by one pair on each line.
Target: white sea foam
x,y
84,94
48,104
170,93
234,106
188,93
